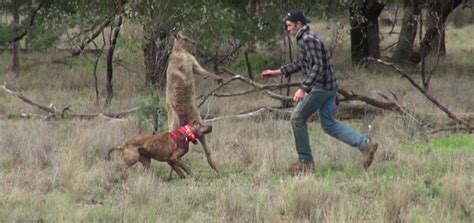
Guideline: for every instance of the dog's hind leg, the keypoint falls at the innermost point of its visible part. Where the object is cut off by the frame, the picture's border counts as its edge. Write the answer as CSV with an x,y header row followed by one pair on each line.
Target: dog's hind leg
x,y
146,162
207,151
176,169
145,158
124,168
130,156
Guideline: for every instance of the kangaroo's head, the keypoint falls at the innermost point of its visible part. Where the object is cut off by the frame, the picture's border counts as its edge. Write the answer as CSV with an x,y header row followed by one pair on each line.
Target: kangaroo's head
x,y
182,40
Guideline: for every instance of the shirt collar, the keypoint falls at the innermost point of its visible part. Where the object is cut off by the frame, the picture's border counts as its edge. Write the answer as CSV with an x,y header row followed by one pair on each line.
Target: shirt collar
x,y
300,32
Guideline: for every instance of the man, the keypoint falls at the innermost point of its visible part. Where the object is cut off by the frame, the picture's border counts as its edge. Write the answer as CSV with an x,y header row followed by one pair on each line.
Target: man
x,y
317,92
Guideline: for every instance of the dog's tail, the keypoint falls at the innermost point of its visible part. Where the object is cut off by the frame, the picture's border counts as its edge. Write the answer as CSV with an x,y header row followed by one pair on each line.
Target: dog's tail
x,y
111,150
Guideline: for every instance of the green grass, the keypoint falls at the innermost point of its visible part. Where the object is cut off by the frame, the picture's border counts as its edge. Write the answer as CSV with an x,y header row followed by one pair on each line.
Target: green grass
x,y
389,171
89,65
339,170
451,143
429,190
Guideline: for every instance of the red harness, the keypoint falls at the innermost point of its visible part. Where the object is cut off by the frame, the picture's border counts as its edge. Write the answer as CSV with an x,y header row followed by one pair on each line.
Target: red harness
x,y
182,136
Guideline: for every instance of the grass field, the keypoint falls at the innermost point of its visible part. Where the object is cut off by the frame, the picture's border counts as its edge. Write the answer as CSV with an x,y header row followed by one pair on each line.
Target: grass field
x,y
56,171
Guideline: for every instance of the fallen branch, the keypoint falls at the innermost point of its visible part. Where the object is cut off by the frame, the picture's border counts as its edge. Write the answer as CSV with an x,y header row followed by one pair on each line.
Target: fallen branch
x,y
256,85
260,111
262,87
399,107
29,101
370,101
428,96
65,112
115,115
448,129
344,112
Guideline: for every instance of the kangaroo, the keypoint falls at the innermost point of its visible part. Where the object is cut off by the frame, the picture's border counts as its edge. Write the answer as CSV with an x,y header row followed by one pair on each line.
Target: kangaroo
x,y
180,88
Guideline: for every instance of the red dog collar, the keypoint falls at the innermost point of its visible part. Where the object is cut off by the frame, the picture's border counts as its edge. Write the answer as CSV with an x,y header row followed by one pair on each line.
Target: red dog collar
x,y
183,135
190,132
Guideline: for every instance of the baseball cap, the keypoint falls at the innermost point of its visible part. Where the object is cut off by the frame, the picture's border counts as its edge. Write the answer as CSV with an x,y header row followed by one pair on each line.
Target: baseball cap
x,y
297,15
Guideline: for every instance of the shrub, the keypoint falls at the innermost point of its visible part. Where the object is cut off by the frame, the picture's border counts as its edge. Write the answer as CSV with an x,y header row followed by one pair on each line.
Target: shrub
x,y
463,17
151,110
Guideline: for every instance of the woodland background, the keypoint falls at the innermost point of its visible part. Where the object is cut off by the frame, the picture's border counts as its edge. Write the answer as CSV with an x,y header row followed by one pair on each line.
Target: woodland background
x,y
80,76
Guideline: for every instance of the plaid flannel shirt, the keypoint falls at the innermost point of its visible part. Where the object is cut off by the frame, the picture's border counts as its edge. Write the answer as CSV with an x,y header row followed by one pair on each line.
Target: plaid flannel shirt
x,y
313,59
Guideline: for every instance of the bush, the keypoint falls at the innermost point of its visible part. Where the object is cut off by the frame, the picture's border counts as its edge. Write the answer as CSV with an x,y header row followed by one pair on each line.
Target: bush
x,y
463,17
151,110
6,33
42,37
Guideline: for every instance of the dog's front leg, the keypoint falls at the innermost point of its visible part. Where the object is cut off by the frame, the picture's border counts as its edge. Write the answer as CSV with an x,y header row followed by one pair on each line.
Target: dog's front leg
x,y
176,159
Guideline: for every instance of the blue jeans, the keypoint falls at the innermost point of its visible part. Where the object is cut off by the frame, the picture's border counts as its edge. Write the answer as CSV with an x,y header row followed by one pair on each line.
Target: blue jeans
x,y
325,102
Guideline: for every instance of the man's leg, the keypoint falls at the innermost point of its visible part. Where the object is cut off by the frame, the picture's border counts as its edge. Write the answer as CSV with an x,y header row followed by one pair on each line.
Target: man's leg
x,y
309,105
336,129
345,134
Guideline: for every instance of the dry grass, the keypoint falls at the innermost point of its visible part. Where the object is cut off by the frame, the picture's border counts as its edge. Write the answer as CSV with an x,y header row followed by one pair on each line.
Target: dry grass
x,y
56,171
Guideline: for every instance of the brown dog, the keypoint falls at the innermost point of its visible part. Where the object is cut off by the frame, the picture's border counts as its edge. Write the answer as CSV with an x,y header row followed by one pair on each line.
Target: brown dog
x,y
164,146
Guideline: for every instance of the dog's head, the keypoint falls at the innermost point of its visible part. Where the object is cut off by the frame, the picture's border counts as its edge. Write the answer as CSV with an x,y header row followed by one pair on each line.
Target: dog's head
x,y
194,131
201,129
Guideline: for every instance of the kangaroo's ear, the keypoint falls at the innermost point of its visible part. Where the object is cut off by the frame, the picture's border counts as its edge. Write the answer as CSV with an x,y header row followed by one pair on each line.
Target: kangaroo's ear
x,y
179,34
175,33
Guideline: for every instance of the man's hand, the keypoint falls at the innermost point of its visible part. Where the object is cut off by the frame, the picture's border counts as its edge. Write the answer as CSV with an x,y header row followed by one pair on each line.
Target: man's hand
x,y
299,94
270,73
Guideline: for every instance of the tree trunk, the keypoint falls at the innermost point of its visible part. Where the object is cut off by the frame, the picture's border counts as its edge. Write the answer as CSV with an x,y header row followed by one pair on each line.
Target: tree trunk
x,y
16,46
156,57
215,58
372,12
359,48
365,30
253,12
110,57
434,39
249,66
404,52
149,54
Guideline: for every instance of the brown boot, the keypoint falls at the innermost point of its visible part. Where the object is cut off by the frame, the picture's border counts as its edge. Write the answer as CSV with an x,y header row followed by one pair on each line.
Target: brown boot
x,y
301,167
368,152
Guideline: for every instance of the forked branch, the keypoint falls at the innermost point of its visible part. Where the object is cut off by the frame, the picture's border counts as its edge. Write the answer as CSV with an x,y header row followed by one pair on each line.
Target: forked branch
x,y
433,100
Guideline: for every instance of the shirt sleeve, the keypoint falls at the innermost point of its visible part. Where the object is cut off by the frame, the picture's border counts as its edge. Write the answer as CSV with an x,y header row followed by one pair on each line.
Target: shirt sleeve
x,y
315,58
293,67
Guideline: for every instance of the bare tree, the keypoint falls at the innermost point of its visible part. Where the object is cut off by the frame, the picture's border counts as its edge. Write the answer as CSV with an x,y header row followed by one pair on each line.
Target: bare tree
x,y
110,56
